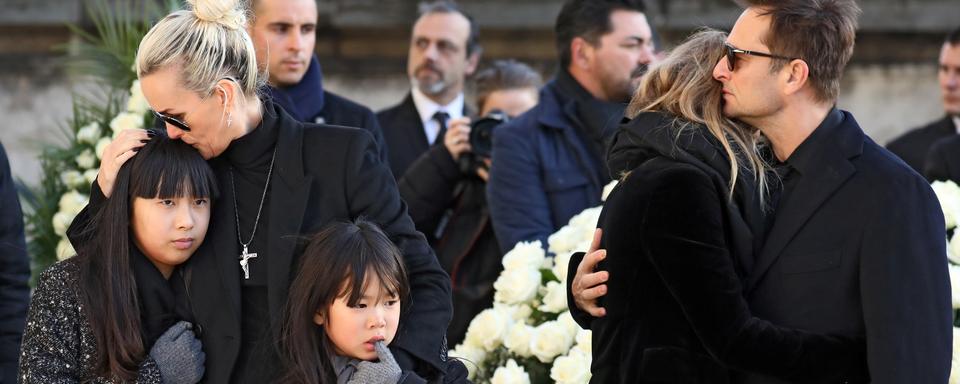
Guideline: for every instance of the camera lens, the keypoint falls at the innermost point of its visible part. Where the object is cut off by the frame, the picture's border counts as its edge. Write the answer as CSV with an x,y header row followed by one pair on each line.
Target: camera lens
x,y
482,131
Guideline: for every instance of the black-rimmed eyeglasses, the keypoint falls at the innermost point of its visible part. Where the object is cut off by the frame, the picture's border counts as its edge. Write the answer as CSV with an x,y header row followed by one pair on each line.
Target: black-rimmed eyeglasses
x,y
733,51
173,121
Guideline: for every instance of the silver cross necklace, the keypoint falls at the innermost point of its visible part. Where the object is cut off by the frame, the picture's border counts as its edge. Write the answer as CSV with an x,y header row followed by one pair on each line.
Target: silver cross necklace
x,y
246,255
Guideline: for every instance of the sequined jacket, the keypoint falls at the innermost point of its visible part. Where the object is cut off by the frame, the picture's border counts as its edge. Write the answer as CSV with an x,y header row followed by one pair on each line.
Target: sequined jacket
x,y
58,343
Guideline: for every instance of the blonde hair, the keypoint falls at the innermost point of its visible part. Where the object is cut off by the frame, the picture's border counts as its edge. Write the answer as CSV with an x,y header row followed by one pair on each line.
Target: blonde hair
x,y
209,42
683,85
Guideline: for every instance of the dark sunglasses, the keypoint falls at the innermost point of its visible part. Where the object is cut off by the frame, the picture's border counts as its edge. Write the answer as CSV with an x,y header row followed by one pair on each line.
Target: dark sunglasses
x,y
173,121
733,51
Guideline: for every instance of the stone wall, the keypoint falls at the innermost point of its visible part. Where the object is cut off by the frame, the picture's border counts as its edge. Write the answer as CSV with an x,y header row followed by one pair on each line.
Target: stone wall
x,y
890,84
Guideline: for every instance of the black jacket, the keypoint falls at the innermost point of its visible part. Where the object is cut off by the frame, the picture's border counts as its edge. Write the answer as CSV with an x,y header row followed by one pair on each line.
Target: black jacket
x,y
14,274
857,247
943,160
675,309
914,145
404,135
323,173
450,207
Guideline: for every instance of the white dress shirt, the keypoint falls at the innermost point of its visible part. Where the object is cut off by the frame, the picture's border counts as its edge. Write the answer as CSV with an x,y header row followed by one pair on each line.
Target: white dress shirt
x,y
427,108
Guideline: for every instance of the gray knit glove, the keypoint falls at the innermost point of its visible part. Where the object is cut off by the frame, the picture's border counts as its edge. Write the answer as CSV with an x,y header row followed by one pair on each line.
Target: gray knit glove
x,y
385,371
178,355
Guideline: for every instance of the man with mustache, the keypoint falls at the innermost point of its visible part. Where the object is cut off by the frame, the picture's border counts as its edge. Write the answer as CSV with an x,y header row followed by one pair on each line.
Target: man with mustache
x,y
549,162
444,50
284,35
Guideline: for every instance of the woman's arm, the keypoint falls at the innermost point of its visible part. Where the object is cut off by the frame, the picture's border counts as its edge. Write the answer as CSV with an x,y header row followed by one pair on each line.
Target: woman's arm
x,y
684,233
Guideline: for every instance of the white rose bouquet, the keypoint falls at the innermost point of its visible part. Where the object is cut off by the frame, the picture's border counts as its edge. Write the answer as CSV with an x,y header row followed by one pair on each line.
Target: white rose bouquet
x,y
529,336
948,193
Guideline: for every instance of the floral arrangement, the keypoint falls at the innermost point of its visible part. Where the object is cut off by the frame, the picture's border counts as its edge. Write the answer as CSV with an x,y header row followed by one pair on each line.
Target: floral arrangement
x,y
529,336
949,195
106,58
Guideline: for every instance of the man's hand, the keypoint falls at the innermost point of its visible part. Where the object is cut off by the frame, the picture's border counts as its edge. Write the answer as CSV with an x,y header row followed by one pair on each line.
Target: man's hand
x,y
588,285
457,139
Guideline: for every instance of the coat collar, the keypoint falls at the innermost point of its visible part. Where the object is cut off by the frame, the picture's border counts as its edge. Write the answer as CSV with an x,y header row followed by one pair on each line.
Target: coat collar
x,y
822,172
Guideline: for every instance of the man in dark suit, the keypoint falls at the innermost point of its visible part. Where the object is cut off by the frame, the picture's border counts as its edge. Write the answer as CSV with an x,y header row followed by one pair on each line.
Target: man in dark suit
x,y
549,161
284,34
857,243
14,274
914,146
444,50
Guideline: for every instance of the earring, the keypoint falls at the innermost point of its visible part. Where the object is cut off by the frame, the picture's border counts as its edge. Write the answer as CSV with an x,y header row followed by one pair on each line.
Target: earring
x,y
229,119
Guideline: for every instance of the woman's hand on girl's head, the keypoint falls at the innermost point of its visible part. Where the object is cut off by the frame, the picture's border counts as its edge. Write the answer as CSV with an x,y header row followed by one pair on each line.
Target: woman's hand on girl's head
x,y
115,154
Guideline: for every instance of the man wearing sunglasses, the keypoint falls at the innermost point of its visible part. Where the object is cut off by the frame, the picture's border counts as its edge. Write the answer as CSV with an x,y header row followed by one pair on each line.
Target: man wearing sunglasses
x,y
856,246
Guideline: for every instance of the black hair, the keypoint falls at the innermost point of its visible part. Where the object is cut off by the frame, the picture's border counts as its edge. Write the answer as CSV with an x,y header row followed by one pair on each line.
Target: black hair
x,y
447,6
953,38
587,19
335,264
163,168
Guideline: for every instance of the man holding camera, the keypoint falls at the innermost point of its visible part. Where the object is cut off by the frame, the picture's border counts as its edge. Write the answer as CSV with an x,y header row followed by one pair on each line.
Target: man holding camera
x,y
444,50
550,160
445,189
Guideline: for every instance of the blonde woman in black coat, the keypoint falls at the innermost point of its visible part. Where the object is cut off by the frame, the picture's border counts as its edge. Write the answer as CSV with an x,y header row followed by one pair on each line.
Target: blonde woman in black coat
x,y
679,230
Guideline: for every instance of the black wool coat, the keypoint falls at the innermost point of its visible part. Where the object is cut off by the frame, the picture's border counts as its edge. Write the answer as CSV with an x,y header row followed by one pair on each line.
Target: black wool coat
x,y
675,244
857,247
450,207
14,273
943,160
323,174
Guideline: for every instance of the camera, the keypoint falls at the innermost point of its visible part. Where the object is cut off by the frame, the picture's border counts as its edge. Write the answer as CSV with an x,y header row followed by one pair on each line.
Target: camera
x,y
482,130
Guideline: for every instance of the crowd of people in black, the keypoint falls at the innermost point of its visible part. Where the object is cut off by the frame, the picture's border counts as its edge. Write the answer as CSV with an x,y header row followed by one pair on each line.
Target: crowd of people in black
x,y
269,230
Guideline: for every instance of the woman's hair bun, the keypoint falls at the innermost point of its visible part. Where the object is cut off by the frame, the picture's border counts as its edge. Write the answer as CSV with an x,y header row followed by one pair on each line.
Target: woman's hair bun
x,y
228,13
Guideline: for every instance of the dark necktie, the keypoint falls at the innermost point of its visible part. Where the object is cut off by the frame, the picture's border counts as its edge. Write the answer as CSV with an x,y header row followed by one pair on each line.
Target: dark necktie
x,y
441,117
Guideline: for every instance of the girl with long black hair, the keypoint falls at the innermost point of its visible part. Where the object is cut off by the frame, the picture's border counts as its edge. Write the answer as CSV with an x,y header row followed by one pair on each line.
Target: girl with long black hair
x,y
119,310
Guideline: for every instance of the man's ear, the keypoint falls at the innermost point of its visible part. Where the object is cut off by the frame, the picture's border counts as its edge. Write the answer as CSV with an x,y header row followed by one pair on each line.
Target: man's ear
x,y
797,74
581,52
472,61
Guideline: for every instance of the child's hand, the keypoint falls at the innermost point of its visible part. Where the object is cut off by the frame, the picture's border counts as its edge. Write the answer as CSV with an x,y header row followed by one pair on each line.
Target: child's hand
x,y
385,371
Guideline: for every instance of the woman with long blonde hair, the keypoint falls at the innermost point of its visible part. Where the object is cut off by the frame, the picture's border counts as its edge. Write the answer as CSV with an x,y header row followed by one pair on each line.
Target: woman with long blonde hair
x,y
679,231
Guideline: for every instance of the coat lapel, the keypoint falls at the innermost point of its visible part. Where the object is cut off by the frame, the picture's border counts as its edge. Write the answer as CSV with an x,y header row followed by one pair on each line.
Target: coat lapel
x,y
563,123
416,137
814,187
288,200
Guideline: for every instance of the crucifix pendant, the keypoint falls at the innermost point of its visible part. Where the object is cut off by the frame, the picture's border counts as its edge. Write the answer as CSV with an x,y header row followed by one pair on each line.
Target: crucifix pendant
x,y
245,262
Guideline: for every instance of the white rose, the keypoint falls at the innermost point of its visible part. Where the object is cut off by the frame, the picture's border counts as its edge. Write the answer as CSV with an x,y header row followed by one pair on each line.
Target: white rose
x,y
571,326
518,339
564,240
137,103
585,342
516,286
61,221
86,159
487,329
73,179
571,369
65,250
955,284
948,193
524,255
101,145
90,175
554,298
511,373
73,202
126,120
561,263
549,340
471,356
89,134
607,189
517,313
953,248
955,364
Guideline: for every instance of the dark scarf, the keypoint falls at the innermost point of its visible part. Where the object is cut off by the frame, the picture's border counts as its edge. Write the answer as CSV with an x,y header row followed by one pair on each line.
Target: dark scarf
x,y
163,302
303,100
653,134
596,120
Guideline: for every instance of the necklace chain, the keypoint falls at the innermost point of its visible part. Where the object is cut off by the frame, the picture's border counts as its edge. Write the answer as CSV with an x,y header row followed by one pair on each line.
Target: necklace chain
x,y
236,211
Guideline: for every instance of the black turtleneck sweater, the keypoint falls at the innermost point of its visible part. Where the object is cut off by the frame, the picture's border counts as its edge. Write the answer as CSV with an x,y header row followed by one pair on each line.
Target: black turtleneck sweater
x,y
247,161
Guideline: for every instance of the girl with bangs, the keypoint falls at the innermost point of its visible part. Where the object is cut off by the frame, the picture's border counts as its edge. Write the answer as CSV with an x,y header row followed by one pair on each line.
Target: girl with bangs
x,y
344,308
119,311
